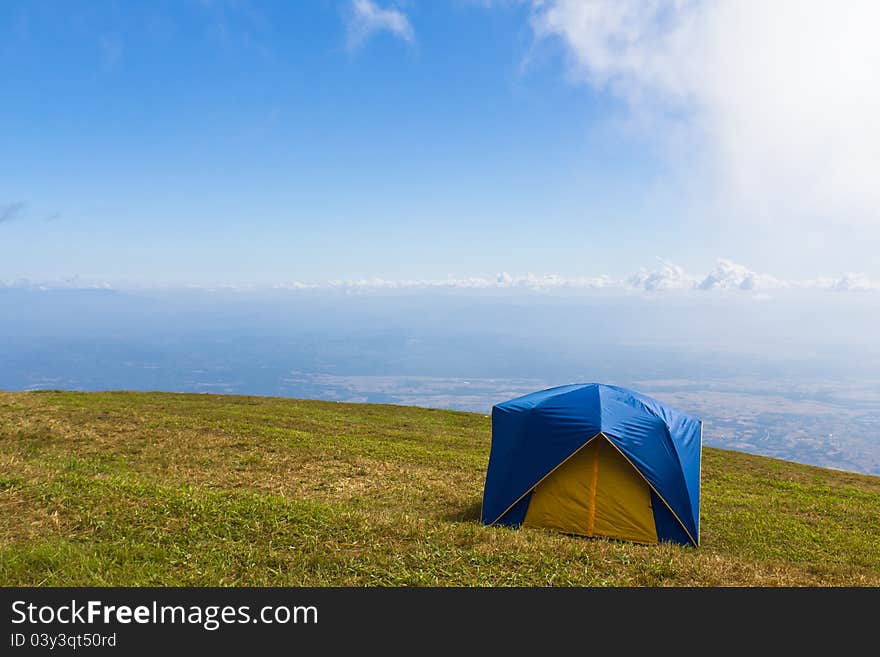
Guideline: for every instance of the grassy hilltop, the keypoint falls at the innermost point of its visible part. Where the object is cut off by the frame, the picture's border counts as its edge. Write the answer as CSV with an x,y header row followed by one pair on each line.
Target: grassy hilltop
x,y
171,489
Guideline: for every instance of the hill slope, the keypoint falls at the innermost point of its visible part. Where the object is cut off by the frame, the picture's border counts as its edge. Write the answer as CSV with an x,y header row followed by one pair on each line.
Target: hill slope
x,y
170,489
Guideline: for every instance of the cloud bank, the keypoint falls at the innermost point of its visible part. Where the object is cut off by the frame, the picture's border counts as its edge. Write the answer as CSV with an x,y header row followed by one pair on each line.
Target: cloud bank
x,y
726,276
72,283
365,19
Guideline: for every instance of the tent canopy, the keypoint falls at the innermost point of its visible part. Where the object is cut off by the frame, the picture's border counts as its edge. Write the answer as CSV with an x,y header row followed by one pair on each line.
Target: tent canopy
x,y
596,460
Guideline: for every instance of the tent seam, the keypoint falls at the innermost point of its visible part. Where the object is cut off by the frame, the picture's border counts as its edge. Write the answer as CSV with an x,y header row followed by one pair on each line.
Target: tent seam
x,y
656,492
669,441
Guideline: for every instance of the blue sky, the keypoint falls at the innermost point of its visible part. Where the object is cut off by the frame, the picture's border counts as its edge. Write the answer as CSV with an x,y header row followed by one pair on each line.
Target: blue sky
x,y
371,199
207,142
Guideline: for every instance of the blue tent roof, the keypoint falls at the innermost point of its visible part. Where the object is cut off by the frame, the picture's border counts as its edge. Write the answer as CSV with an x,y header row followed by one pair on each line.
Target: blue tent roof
x,y
533,434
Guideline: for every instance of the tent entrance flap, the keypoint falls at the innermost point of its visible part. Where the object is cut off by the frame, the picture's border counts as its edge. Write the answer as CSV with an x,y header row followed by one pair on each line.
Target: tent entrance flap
x,y
596,492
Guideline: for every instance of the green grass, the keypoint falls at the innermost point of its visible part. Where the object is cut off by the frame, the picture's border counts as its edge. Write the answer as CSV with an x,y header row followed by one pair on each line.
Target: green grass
x,y
143,489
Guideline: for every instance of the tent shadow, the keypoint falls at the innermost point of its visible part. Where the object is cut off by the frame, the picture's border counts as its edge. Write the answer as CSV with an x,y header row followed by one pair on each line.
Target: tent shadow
x,y
469,513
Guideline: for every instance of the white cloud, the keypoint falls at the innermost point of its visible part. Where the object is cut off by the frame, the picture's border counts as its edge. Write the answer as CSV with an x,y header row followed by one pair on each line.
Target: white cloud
x,y
365,19
72,283
853,282
730,275
502,281
774,104
294,285
668,276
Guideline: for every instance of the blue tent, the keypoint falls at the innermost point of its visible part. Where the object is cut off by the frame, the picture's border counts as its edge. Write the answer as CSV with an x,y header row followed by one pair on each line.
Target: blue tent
x,y
595,460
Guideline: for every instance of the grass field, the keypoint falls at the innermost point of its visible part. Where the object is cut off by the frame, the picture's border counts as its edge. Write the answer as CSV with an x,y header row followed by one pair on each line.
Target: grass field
x,y
169,489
